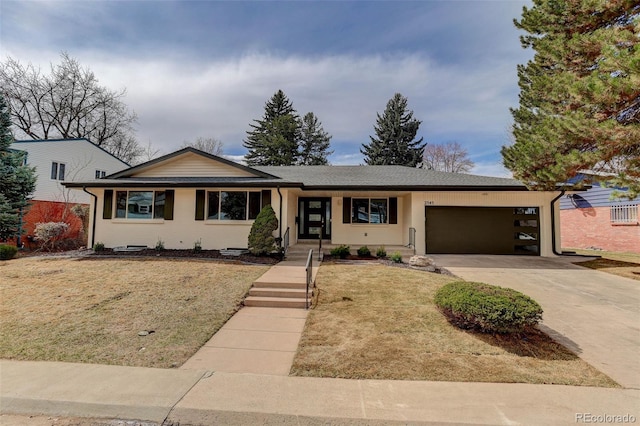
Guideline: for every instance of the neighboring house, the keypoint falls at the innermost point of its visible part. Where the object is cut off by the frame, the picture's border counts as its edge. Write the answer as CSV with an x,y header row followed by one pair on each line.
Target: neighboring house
x,y
597,219
56,161
190,196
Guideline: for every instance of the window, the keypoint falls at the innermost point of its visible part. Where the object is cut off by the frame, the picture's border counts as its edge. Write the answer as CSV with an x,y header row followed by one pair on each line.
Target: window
x,y
233,205
100,174
57,170
140,204
369,210
624,214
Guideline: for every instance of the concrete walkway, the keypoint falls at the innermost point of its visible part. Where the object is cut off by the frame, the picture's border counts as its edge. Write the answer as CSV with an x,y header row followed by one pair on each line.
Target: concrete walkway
x,y
593,313
254,340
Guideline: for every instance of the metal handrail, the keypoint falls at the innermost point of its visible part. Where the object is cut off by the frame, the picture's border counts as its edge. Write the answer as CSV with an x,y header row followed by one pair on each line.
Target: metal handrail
x,y
285,241
320,240
309,270
412,239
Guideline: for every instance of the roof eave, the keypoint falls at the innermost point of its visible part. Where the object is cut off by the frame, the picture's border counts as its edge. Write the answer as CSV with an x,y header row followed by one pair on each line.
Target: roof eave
x,y
170,184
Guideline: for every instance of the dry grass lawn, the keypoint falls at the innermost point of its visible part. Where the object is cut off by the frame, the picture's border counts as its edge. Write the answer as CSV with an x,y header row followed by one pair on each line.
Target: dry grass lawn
x,y
379,322
91,310
622,264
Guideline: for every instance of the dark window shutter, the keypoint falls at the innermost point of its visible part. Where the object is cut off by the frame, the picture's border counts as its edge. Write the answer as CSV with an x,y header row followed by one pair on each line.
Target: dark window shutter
x,y
266,197
107,207
393,210
169,196
200,193
346,210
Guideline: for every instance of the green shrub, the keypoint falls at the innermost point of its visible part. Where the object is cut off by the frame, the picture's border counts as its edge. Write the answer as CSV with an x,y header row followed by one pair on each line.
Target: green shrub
x,y
7,252
261,240
197,246
341,251
364,251
396,257
98,247
159,245
381,252
487,308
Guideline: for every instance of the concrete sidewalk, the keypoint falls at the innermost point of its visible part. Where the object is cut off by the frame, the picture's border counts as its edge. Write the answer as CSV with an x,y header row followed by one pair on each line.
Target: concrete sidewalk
x,y
189,397
254,340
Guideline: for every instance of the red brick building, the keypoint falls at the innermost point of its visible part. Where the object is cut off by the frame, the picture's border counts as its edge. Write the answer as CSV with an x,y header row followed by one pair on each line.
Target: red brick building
x,y
594,219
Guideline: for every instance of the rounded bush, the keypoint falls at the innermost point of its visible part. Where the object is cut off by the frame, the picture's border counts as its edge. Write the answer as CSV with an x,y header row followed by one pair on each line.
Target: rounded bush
x,y
487,308
7,252
341,251
364,251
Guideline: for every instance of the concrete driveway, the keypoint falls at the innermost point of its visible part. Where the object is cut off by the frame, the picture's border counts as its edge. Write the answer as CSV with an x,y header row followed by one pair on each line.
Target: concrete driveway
x,y
595,314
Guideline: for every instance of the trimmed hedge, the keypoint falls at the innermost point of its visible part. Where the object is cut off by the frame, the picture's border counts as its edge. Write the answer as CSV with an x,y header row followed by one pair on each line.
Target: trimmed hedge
x,y
364,251
487,308
341,251
7,252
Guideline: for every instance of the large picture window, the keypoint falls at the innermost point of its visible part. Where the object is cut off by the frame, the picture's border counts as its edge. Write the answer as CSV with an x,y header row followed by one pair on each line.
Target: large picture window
x,y
140,204
369,210
233,205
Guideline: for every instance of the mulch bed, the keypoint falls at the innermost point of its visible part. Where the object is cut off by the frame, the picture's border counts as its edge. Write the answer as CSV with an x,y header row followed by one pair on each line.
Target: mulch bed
x,y
351,259
189,254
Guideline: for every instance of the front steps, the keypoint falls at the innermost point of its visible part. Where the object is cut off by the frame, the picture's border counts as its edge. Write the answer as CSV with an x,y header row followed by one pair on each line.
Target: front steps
x,y
278,295
282,286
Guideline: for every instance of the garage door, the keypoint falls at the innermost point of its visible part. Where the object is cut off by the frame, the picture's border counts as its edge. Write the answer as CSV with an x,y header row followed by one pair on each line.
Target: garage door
x,y
482,230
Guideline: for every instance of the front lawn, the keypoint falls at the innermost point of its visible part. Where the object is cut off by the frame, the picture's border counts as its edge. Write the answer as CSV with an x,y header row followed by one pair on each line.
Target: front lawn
x,y
92,310
617,263
379,322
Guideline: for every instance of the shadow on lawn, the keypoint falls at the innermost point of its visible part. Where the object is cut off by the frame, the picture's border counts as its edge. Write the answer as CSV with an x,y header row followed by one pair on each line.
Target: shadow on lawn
x,y
533,343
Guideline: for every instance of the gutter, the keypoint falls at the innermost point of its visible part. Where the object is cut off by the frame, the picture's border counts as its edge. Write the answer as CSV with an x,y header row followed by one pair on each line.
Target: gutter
x,y
95,209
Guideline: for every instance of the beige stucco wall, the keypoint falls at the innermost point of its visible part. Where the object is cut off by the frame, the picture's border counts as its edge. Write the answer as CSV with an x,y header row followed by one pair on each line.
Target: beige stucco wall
x,y
487,199
184,230
359,234
180,233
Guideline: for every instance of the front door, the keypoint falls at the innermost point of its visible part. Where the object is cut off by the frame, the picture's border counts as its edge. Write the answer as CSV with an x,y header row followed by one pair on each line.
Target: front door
x,y
314,217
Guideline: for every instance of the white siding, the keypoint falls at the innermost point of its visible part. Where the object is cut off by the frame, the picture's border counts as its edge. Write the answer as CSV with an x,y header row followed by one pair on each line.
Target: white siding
x,y
81,159
192,165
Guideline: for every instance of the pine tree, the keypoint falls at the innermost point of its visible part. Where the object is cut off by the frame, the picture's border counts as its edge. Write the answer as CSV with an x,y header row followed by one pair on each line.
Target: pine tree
x,y
17,181
580,95
314,142
396,130
273,141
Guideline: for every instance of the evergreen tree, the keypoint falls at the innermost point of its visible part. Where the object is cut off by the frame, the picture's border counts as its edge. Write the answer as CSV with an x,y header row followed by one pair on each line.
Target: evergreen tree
x,y
314,142
261,239
17,181
394,143
580,95
273,141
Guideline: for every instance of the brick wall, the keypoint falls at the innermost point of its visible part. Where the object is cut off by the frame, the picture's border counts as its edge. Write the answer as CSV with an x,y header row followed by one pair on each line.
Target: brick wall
x,y
591,227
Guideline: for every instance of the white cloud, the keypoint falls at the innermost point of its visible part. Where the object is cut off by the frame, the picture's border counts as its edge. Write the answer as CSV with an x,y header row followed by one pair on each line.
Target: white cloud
x,y
178,101
495,169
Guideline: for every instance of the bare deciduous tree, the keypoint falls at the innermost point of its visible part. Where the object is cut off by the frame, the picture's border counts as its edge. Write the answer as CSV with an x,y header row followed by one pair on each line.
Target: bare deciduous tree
x,y
448,157
210,145
68,103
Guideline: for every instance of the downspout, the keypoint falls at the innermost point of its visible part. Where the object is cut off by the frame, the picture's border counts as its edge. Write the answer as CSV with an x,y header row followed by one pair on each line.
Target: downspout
x,y
553,232
95,209
280,220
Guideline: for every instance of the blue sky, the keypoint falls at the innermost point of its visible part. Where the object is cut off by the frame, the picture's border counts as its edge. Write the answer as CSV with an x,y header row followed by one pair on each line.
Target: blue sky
x,y
206,68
